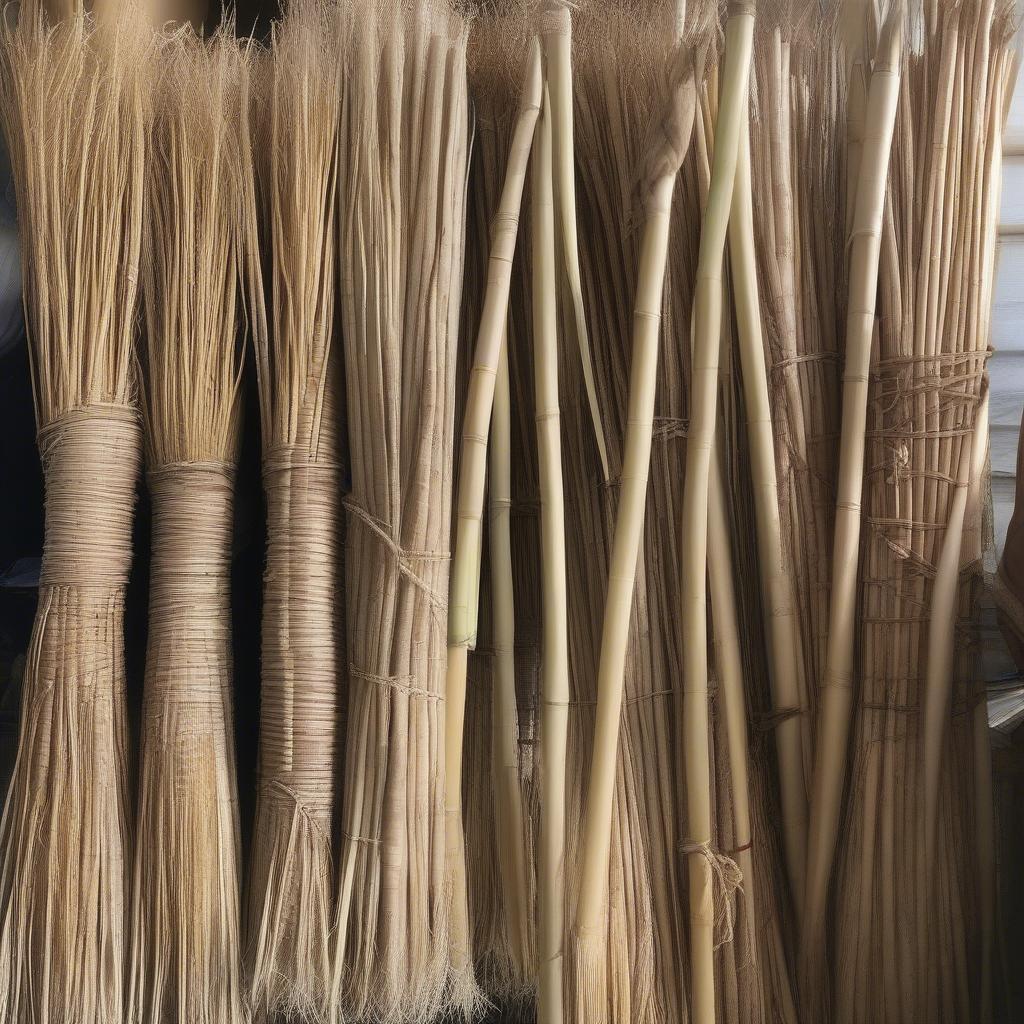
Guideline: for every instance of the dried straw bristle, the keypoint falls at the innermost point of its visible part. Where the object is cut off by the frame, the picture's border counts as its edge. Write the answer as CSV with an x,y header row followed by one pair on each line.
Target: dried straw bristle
x,y
402,224
290,884
72,99
197,255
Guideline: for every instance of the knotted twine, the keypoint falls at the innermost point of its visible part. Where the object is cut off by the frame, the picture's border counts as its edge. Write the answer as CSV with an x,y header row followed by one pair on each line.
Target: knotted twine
x,y
726,882
62,890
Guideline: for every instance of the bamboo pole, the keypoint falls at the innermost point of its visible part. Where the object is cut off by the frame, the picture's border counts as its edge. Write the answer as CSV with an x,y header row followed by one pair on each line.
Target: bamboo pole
x,y
707,314
776,582
555,26
464,598
555,657
836,691
588,945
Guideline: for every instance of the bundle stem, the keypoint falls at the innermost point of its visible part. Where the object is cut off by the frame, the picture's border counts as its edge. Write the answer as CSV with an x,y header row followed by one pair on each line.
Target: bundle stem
x,y
554,724
785,663
837,688
589,950
739,32
556,31
464,597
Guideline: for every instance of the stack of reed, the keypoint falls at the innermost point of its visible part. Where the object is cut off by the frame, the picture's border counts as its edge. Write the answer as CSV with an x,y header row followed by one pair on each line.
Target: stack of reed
x,y
401,948
198,254
73,103
913,902
291,881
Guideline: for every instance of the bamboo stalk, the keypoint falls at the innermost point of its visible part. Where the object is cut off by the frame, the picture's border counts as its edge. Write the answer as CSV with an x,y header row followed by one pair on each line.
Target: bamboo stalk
x,y
776,582
836,689
555,27
588,928
694,520
555,664
464,598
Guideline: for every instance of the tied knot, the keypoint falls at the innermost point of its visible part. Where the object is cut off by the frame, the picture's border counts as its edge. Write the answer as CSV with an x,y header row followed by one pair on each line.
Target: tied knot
x,y
726,882
91,457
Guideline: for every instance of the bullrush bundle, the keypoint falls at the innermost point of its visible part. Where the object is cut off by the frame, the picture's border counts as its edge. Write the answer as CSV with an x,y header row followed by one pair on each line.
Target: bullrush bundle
x,y
290,880
198,253
73,103
402,943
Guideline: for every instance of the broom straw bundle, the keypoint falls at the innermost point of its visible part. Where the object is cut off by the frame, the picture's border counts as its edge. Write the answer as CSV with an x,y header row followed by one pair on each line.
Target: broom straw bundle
x,y
290,883
197,252
73,103
402,946
912,858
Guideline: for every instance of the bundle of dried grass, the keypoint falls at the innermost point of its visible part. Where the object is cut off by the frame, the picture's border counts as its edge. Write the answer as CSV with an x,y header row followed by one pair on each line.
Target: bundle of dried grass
x,y
198,253
912,855
402,947
73,103
290,884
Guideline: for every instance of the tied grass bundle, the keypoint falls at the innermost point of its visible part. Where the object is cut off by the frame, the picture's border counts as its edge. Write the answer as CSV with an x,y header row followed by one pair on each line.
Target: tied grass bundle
x,y
290,883
402,944
912,907
197,254
73,103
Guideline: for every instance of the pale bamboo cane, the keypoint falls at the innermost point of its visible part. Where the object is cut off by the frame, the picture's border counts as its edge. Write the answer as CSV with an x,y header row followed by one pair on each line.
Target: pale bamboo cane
x,y
776,582
464,600
555,25
554,722
588,946
836,691
694,520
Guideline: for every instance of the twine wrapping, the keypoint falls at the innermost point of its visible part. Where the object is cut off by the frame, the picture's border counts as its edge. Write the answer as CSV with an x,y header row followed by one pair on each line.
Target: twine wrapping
x,y
64,838
188,811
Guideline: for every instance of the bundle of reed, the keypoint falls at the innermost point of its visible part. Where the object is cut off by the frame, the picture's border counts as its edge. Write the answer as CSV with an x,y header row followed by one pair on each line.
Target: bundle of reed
x,y
198,251
73,103
498,787
290,882
911,886
637,87
402,941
